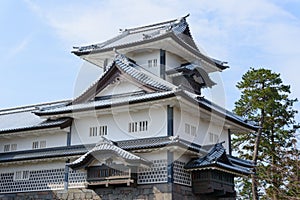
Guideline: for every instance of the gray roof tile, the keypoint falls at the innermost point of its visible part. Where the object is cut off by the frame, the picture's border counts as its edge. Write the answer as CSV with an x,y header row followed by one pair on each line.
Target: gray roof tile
x,y
217,158
23,118
179,27
105,146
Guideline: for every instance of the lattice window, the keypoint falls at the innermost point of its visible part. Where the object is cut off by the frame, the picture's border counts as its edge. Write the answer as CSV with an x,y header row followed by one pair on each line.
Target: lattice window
x,y
13,147
77,179
103,130
187,128
213,138
35,145
21,175
149,63
181,176
190,129
193,131
37,180
157,173
152,63
93,131
137,126
43,144
6,147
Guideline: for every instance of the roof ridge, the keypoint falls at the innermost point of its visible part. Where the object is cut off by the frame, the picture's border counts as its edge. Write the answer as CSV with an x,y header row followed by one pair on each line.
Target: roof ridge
x,y
157,25
151,26
28,107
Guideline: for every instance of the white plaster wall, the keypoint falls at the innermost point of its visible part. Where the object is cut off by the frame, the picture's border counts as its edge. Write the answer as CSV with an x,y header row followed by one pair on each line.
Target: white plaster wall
x,y
25,142
117,125
142,60
172,61
154,155
178,156
9,168
204,127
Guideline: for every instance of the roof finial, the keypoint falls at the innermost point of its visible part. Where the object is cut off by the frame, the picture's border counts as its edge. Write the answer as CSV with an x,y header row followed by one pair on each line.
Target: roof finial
x,y
182,18
186,16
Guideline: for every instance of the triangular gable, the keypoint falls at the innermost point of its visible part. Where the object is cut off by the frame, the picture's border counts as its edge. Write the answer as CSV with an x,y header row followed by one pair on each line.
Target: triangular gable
x,y
106,149
126,70
120,86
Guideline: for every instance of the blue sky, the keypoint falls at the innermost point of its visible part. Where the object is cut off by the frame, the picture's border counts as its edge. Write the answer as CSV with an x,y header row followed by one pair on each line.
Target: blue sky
x,y
37,38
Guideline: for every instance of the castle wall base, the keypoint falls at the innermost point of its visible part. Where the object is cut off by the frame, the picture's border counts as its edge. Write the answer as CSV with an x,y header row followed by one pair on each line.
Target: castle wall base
x,y
162,191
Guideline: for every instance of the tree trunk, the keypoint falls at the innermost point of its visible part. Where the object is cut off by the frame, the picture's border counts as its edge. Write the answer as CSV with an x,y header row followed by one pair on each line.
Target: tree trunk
x,y
255,156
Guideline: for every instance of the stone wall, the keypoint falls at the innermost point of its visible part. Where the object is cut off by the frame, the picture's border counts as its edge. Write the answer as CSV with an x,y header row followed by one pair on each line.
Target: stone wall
x,y
163,191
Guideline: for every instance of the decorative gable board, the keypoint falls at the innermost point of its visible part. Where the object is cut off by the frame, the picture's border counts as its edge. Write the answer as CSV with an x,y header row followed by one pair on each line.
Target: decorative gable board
x,y
107,84
120,86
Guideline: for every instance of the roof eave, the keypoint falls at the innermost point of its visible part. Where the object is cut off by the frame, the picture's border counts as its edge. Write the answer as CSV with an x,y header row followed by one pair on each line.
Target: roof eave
x,y
169,34
210,109
105,106
62,125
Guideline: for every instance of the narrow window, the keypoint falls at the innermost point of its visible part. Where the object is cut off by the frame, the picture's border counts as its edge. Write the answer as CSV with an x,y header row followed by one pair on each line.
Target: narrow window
x,y
146,125
25,175
7,148
93,131
137,126
193,130
102,130
18,175
149,63
35,145
155,63
43,144
216,138
187,129
21,175
129,127
13,147
213,138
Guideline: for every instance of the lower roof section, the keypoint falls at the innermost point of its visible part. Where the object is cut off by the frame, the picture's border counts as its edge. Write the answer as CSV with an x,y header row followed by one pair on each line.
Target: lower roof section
x,y
79,150
217,159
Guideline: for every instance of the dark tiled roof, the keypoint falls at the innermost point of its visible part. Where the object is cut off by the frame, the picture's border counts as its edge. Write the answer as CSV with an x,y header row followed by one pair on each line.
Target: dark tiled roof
x,y
218,159
212,107
23,118
106,103
126,145
130,68
140,74
157,142
103,147
179,27
43,153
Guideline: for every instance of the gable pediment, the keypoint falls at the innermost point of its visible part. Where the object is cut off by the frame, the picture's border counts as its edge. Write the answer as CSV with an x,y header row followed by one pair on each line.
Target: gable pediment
x,y
123,76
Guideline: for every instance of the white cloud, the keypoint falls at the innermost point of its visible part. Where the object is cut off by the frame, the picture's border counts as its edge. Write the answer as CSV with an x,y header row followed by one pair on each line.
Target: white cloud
x,y
18,48
247,33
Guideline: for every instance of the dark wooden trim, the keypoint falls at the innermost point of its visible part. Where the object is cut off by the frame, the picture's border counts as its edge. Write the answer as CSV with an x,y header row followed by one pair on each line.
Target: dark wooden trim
x,y
229,142
69,136
170,160
108,78
162,62
170,120
66,178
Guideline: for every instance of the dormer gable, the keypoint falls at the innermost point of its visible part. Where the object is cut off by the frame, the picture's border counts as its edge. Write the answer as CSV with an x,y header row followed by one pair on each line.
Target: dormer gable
x,y
123,76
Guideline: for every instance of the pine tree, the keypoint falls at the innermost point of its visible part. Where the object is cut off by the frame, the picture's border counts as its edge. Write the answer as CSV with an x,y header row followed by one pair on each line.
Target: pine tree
x,y
264,100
